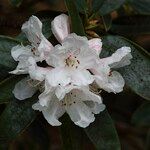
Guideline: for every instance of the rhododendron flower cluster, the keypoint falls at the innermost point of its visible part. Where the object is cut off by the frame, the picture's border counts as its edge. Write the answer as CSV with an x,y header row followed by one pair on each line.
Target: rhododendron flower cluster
x,y
68,75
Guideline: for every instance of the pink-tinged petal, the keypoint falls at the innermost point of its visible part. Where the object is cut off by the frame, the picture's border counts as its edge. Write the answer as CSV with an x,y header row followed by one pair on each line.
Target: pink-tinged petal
x,y
60,27
35,72
44,48
80,114
122,57
96,45
58,76
112,83
23,90
33,30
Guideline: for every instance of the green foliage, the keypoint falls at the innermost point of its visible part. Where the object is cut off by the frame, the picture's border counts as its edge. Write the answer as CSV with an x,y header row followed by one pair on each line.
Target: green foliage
x,y
6,88
136,75
102,133
16,3
76,21
141,116
6,43
104,7
7,63
82,6
141,6
16,117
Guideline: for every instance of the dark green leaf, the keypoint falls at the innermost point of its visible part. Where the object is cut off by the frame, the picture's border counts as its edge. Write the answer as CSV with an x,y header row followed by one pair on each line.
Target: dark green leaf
x,y
71,135
6,88
16,117
131,25
106,6
7,63
141,116
82,6
76,21
102,133
136,75
6,43
16,3
107,21
141,6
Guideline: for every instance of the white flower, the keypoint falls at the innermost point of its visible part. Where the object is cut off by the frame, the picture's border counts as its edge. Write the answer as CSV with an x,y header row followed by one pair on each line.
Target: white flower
x,y
105,77
26,88
72,59
79,103
77,57
39,48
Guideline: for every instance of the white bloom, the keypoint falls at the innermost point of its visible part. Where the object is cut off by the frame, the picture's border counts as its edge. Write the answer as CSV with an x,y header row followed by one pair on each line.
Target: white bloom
x,y
72,66
76,55
39,48
109,80
72,59
79,103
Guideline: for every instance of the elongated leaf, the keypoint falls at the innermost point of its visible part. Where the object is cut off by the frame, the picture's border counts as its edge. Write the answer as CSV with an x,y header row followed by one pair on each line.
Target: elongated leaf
x,y
141,116
141,6
6,43
71,135
106,6
6,88
102,133
107,21
76,21
16,117
136,75
7,63
81,6
16,3
131,25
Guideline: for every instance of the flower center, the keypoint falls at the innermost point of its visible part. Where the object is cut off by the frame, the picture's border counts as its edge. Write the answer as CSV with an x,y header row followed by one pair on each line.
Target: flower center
x,y
72,61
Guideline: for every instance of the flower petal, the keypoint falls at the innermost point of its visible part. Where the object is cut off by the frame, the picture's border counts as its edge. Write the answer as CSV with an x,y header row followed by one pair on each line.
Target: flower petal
x,y
58,76
80,114
96,45
120,58
95,107
33,30
23,90
60,27
113,83
81,77
21,52
35,72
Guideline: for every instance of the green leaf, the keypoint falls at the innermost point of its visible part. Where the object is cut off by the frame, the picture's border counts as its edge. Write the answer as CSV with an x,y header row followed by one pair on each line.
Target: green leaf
x,y
107,21
141,116
6,43
141,6
131,25
136,74
76,21
6,88
82,6
16,3
16,117
72,135
106,6
102,133
7,63
148,140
